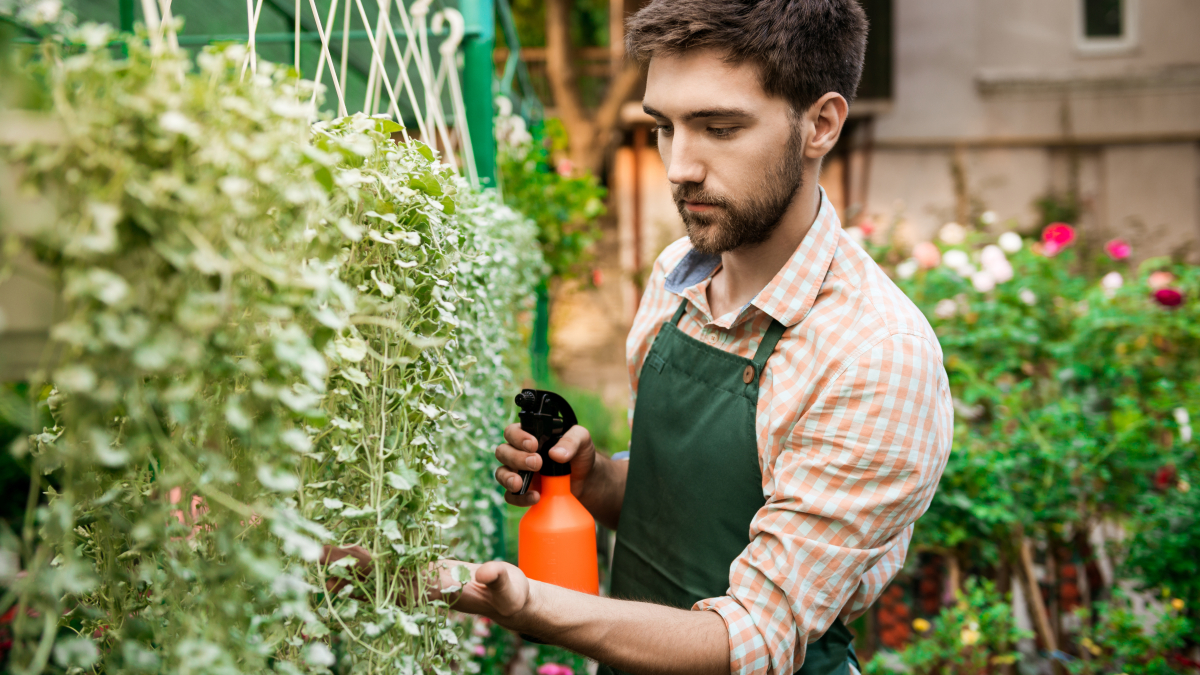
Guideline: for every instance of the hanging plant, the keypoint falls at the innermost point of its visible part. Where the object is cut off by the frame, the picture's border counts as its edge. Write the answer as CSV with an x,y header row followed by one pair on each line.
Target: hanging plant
x,y
264,327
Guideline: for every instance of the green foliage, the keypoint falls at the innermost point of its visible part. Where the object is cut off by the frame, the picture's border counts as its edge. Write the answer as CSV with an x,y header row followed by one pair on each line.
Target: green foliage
x,y
266,327
1067,391
974,635
1166,532
537,180
501,264
1115,639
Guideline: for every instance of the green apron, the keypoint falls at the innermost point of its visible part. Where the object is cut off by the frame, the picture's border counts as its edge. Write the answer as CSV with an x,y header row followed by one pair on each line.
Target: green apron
x,y
695,482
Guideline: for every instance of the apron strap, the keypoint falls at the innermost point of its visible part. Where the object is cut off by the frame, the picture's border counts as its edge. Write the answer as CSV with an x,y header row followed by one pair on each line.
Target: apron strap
x,y
767,346
679,313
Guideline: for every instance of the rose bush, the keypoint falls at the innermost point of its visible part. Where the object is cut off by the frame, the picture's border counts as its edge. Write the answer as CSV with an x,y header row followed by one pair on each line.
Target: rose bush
x,y
1070,379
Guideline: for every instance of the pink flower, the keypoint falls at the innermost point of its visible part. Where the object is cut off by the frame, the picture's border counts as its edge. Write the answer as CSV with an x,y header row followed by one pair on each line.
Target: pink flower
x,y
1160,279
554,669
1168,297
480,650
1118,249
1056,237
927,255
564,167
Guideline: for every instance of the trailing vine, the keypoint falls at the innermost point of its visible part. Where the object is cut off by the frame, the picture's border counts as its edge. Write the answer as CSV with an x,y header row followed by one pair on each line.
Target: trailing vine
x,y
266,326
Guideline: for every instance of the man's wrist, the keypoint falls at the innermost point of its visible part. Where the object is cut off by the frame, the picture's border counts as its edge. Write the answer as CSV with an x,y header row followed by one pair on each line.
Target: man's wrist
x,y
529,619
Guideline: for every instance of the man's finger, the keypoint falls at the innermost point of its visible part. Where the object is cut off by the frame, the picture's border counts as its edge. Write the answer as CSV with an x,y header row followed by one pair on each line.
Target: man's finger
x,y
509,479
519,438
570,444
528,499
518,460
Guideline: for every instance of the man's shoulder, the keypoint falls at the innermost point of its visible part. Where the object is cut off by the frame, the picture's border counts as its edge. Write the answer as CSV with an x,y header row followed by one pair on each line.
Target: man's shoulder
x,y
858,299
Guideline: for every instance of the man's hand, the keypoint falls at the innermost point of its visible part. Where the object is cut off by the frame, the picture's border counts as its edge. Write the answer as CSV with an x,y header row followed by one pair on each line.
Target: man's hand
x,y
496,589
519,453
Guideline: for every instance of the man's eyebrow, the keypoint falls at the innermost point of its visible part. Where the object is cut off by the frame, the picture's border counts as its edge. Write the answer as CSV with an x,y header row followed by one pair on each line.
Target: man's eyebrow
x,y
697,114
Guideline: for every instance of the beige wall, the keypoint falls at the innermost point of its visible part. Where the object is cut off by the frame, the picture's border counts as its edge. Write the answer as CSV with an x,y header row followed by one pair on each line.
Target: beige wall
x,y
1007,92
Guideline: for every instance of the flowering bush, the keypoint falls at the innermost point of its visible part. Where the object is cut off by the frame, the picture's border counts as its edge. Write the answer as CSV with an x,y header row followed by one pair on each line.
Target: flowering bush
x,y
1067,388
265,326
974,635
1122,641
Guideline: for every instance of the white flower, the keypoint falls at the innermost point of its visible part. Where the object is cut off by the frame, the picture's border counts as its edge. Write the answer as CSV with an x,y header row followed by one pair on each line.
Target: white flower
x,y
966,271
907,269
988,217
996,264
1027,296
945,309
953,234
856,234
983,281
955,259
1011,242
1181,416
1111,282
1185,434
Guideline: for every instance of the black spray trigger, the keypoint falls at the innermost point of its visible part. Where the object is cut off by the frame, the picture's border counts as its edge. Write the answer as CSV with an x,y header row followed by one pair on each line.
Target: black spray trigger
x,y
547,417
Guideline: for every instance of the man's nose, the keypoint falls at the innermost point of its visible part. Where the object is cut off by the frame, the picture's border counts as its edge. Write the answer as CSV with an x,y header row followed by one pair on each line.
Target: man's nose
x,y
684,164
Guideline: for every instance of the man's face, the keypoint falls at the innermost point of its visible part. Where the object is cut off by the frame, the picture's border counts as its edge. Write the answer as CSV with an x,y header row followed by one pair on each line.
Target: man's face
x,y
733,154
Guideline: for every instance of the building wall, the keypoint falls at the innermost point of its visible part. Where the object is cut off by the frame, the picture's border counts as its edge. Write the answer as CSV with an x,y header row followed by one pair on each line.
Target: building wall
x,y
1005,92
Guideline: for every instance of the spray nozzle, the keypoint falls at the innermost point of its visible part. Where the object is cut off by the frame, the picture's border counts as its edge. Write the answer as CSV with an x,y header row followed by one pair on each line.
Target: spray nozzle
x,y
546,416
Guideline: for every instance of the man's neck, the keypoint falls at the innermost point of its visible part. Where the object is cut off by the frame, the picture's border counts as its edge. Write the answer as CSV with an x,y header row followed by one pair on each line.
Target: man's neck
x,y
748,269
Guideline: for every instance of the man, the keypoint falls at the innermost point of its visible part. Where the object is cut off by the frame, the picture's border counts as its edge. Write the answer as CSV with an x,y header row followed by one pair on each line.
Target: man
x,y
791,412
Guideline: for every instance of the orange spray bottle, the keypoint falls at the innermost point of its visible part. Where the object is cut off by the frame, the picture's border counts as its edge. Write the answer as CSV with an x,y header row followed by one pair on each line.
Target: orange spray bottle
x,y
557,543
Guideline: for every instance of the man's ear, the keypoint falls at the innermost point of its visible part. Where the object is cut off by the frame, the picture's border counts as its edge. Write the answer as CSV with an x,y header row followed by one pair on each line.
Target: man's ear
x,y
825,119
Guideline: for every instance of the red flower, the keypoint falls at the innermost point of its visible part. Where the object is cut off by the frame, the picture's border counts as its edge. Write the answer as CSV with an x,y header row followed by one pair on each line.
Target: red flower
x,y
1165,477
1056,237
1118,249
1168,297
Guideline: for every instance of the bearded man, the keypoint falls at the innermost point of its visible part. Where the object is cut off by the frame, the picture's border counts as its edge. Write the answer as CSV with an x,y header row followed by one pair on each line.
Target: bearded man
x,y
792,415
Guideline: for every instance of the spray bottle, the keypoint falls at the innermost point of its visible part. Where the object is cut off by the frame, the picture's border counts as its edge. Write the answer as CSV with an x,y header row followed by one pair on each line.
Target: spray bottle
x,y
557,542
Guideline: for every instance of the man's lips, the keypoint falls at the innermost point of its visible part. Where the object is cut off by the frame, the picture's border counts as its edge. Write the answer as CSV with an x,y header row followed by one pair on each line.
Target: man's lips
x,y
699,206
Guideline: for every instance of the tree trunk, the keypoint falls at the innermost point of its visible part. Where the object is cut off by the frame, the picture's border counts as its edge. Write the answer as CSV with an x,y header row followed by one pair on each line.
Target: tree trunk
x,y
590,134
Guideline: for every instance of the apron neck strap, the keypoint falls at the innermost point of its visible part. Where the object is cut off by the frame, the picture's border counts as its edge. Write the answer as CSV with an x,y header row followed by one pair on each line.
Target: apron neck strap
x,y
679,313
767,346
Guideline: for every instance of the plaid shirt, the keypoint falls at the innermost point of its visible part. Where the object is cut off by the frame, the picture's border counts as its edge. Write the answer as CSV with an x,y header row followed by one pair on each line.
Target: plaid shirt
x,y
854,428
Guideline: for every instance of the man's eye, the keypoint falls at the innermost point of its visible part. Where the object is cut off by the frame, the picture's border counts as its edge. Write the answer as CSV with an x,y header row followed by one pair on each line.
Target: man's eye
x,y
662,130
722,132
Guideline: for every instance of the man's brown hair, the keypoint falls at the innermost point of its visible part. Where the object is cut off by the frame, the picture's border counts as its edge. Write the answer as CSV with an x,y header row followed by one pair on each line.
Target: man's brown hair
x,y
803,48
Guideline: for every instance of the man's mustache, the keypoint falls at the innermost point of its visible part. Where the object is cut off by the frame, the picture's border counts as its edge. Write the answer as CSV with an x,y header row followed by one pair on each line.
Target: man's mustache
x,y
696,194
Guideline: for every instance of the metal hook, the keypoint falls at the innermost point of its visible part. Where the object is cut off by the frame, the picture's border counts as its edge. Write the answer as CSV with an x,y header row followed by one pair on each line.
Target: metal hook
x,y
458,27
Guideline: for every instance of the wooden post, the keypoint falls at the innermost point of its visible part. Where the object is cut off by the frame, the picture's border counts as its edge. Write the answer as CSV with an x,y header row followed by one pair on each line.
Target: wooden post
x,y
1037,606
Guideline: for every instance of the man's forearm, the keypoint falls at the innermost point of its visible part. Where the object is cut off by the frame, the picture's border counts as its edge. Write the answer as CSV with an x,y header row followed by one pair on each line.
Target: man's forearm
x,y
604,491
637,637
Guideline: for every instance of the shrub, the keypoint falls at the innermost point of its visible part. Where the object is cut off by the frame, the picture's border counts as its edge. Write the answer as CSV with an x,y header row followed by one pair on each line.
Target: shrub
x,y
974,635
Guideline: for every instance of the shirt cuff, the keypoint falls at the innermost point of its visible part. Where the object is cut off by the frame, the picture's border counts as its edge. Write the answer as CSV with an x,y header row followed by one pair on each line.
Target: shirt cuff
x,y
747,650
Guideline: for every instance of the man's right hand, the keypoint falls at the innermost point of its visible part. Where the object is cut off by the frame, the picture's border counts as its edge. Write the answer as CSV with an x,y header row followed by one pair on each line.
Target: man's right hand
x,y
596,481
520,454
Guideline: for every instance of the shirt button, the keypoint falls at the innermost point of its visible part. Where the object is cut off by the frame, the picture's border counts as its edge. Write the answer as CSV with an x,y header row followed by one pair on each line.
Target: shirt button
x,y
711,339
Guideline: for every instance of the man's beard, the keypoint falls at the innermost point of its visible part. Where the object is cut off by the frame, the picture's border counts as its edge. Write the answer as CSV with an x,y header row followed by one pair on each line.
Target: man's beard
x,y
747,221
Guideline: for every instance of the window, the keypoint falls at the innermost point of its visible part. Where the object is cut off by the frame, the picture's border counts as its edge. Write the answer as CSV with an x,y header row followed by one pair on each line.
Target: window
x,y
1106,27
1102,19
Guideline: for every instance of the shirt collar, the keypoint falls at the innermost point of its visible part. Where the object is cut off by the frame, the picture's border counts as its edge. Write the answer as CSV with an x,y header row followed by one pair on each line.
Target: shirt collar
x,y
789,296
